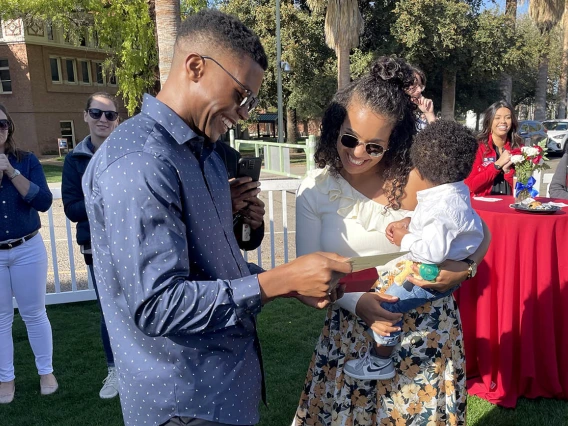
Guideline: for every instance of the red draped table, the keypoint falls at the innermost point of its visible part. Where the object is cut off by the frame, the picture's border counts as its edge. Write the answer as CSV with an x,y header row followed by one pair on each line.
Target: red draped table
x,y
515,311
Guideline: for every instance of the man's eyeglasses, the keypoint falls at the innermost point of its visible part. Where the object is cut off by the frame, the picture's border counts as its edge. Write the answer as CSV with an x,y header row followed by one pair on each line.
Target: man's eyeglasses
x,y
248,101
96,114
373,149
5,124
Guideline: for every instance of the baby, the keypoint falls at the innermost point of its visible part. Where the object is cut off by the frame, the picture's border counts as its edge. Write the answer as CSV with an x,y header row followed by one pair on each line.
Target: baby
x,y
443,226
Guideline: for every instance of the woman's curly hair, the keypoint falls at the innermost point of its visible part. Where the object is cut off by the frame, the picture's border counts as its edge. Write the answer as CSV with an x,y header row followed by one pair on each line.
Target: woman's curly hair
x,y
383,90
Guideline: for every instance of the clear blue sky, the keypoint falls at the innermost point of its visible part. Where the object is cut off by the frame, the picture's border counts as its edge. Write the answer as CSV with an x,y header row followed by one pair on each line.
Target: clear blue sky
x,y
521,9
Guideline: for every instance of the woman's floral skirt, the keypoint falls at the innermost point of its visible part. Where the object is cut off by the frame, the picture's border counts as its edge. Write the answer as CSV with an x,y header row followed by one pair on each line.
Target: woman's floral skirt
x,y
428,389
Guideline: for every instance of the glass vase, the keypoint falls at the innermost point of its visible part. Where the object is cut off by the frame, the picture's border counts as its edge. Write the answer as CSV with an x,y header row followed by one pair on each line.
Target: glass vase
x,y
521,194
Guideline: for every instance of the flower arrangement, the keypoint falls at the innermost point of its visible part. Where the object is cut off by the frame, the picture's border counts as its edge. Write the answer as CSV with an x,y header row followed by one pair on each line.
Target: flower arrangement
x,y
526,160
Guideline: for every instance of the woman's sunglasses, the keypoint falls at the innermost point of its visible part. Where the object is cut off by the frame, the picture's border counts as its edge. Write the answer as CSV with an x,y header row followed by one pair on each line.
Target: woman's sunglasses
x,y
96,114
4,124
373,149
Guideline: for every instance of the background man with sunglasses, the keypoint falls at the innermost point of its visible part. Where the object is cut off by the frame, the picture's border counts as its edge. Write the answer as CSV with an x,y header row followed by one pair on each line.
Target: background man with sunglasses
x,y
179,299
102,118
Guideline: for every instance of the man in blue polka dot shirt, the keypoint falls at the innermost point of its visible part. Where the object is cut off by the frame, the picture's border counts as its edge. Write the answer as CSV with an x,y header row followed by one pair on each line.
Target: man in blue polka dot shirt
x,y
179,300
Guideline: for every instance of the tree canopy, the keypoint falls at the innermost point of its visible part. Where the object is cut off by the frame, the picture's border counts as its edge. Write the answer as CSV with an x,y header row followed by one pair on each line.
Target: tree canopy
x,y
124,28
478,46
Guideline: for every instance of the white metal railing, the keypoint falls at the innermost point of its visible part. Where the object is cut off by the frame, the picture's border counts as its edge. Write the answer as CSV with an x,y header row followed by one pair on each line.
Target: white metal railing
x,y
281,168
269,253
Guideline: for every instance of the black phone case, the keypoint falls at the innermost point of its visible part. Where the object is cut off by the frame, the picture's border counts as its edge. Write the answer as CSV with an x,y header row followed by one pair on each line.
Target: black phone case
x,y
250,166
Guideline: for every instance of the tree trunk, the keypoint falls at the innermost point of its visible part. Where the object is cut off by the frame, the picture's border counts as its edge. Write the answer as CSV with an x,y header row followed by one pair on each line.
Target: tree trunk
x,y
343,67
506,87
541,86
306,127
448,94
291,129
563,69
523,112
506,84
511,8
167,25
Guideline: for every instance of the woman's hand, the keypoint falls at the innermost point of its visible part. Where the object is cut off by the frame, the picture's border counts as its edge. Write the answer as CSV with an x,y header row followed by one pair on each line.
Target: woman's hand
x,y
507,167
504,158
426,106
5,165
369,309
452,273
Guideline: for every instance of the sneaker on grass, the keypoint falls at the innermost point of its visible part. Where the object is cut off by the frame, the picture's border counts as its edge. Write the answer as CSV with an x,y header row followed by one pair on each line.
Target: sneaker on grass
x,y
110,385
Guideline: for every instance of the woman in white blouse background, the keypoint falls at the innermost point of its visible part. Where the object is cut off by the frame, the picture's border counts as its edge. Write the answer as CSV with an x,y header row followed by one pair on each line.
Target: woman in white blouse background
x,y
345,206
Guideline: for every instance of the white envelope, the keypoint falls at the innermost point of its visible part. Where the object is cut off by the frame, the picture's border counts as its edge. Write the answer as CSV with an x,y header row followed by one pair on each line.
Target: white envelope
x,y
368,262
488,199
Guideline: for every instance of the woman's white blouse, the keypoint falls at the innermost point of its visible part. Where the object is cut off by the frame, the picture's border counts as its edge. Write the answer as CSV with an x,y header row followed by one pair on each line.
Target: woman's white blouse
x,y
332,216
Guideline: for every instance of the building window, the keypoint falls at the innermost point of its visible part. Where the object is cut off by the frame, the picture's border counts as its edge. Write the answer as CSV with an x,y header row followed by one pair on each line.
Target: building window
x,y
85,72
99,73
83,38
71,68
68,132
55,65
50,35
5,80
95,38
112,79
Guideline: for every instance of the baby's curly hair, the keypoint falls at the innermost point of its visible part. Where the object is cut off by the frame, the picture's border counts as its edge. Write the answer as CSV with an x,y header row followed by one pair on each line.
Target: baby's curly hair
x,y
444,152
382,89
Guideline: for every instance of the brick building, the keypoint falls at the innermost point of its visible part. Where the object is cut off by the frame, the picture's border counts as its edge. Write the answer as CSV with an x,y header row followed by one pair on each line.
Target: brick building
x,y
45,82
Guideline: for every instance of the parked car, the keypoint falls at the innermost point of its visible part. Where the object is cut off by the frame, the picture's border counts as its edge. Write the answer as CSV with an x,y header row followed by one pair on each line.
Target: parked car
x,y
557,131
532,132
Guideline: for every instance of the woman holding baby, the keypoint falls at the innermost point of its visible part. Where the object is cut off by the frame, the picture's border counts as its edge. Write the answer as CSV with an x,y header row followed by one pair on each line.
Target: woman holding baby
x,y
361,186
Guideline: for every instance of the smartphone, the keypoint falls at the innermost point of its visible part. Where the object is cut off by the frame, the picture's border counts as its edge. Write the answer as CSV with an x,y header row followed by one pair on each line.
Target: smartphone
x,y
250,166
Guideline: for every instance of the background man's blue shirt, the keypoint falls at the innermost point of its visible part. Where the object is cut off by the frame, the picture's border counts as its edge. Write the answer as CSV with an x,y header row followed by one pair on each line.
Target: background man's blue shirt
x,y
178,297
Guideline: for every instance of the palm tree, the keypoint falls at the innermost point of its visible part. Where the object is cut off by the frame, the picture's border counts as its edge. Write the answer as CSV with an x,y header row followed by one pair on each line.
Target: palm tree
x,y
343,26
506,85
564,70
545,14
167,25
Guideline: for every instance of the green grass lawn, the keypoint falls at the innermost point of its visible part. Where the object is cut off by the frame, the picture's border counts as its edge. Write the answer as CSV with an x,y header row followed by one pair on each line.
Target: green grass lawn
x,y
288,332
52,173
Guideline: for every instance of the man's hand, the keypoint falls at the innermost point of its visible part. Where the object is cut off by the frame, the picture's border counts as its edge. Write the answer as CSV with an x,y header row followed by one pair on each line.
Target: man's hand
x,y
242,189
253,213
399,224
322,302
314,275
